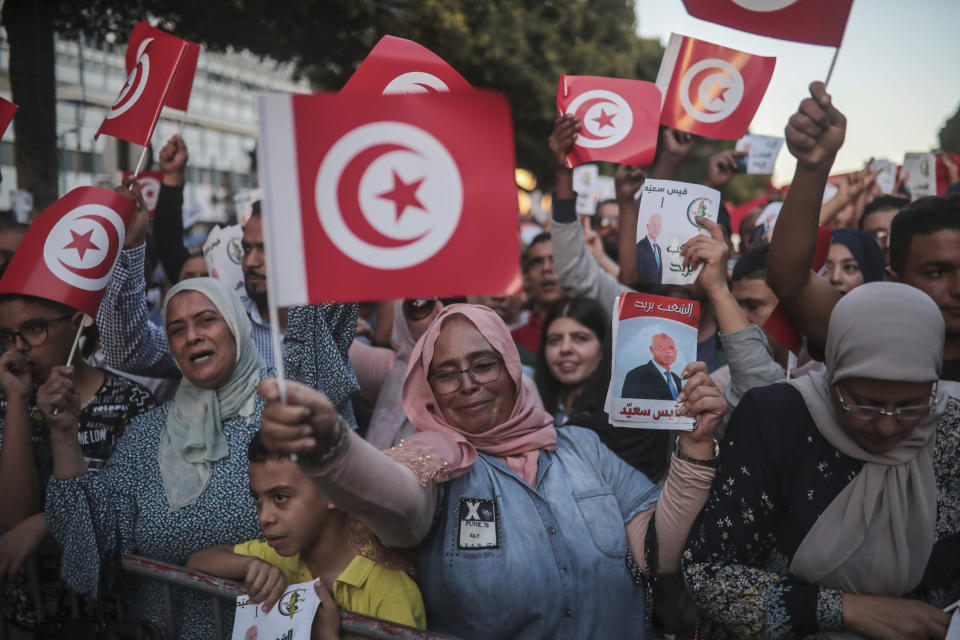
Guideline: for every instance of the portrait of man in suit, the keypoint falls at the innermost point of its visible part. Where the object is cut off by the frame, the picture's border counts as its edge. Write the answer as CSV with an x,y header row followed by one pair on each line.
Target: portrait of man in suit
x,y
655,380
649,253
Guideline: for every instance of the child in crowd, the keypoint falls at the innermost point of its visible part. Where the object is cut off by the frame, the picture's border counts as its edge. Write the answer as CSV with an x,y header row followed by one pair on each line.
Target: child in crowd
x,y
308,538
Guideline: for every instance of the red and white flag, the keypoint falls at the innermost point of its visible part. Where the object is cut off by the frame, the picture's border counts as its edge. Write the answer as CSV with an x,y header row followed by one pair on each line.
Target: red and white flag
x,y
619,119
7,109
373,198
149,182
136,110
711,90
812,21
69,251
396,65
142,35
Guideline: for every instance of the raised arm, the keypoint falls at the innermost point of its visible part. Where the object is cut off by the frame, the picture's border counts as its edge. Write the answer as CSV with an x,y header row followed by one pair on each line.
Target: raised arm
x,y
814,135
628,181
18,466
354,475
168,215
577,270
675,147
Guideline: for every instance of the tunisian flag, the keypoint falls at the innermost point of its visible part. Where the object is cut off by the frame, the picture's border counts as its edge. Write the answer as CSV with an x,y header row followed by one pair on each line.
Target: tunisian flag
x,y
149,182
7,109
811,21
142,35
619,119
396,65
711,90
134,114
377,197
69,251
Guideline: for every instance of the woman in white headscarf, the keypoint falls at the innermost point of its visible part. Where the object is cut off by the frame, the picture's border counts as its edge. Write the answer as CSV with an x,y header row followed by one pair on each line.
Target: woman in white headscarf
x,y
834,510
178,481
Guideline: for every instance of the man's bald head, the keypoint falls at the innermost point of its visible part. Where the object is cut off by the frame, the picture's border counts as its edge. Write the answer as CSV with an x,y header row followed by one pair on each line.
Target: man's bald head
x,y
664,350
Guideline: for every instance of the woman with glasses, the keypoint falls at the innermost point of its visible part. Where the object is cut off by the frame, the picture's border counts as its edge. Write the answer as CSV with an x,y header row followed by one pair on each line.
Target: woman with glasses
x,y
36,335
519,530
835,505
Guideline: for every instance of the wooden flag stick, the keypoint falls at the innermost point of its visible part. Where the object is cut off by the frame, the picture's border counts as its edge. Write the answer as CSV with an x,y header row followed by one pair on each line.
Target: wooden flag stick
x,y
73,351
143,156
833,62
272,310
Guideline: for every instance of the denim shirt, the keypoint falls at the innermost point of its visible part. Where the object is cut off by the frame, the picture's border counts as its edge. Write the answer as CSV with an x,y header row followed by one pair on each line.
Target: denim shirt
x,y
505,560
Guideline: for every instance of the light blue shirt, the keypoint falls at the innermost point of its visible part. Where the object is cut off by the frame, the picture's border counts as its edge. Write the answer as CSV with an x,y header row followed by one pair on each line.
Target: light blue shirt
x,y
505,560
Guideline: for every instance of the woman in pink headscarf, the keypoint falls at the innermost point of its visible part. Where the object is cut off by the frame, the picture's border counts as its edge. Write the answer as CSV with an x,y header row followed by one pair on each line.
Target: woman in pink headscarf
x,y
518,529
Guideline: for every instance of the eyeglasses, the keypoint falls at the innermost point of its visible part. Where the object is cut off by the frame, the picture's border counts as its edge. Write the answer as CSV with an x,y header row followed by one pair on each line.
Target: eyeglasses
x,y
482,371
869,412
418,308
33,332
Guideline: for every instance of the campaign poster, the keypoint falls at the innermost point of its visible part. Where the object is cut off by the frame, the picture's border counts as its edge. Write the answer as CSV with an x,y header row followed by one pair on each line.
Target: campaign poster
x,y
223,253
670,214
585,185
290,619
762,152
921,174
654,338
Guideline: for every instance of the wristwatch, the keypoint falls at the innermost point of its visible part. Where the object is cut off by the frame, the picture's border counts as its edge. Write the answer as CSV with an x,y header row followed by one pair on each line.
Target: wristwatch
x,y
712,462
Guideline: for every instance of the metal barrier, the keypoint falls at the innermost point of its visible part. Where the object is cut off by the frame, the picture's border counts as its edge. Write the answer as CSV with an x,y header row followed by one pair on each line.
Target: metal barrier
x,y
220,589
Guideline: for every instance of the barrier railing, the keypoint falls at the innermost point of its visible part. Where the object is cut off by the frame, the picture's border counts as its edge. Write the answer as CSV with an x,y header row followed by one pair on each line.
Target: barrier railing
x,y
220,590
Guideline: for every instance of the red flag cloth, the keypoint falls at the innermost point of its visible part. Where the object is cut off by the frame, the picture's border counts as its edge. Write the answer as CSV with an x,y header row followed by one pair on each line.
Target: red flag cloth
x,y
780,325
711,90
7,109
135,113
396,65
943,176
811,21
149,182
388,197
69,251
619,119
142,35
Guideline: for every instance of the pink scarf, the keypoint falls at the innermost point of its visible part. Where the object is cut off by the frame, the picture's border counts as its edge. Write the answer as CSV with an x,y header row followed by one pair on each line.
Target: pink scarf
x,y
517,441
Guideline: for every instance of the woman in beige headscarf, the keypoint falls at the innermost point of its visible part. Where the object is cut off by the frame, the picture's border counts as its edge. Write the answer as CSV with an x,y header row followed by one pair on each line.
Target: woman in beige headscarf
x,y
834,511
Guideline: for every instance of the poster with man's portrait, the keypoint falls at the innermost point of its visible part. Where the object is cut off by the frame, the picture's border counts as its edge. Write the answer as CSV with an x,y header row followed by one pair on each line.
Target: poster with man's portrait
x,y
669,216
654,339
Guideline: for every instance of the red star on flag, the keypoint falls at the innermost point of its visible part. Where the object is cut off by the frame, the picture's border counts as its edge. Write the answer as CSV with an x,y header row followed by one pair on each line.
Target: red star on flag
x,y
403,194
605,120
717,91
82,243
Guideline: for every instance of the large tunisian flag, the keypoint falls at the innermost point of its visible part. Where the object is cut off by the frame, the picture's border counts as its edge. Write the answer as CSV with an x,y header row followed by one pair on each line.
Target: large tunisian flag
x,y
811,21
711,90
142,35
7,109
619,119
69,251
396,65
134,114
374,197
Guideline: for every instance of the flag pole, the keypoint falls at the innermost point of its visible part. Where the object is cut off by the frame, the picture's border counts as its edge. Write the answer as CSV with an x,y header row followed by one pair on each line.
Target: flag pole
x,y
832,63
73,351
272,311
143,156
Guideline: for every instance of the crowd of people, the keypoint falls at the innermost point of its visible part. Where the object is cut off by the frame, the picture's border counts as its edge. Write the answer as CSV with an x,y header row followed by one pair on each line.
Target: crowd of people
x,y
448,464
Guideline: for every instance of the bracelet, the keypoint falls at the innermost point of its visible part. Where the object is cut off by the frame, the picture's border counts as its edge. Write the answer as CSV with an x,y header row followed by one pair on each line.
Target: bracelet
x,y
334,450
712,462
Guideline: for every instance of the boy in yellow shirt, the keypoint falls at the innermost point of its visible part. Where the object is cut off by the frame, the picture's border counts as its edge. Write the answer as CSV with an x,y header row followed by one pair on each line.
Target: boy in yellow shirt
x,y
308,538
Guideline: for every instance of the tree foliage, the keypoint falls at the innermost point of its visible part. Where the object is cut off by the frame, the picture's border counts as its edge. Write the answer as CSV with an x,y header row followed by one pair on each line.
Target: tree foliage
x,y
950,134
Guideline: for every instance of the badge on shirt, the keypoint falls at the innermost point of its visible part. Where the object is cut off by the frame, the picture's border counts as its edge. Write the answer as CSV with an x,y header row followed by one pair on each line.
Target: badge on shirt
x,y
478,524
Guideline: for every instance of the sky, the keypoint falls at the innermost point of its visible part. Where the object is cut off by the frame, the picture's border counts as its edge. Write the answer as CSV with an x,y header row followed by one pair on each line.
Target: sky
x,y
895,77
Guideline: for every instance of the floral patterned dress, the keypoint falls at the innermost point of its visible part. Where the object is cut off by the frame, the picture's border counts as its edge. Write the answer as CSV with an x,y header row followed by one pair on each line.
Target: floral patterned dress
x,y
99,518
777,476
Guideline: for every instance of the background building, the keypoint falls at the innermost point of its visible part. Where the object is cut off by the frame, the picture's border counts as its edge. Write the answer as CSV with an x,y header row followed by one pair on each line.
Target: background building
x,y
219,128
